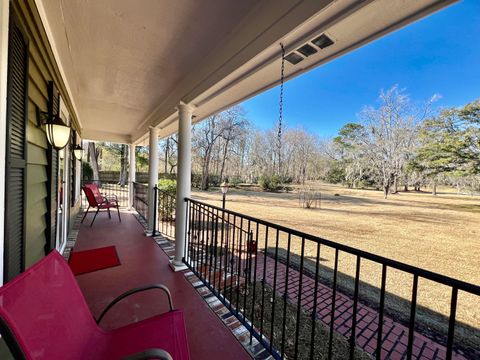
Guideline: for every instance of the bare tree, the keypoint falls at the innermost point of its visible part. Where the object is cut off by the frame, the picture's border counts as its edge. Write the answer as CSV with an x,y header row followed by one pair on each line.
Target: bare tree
x,y
205,136
388,134
233,125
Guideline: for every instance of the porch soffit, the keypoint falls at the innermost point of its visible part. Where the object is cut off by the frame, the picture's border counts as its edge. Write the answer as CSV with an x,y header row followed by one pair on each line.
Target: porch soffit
x,y
128,66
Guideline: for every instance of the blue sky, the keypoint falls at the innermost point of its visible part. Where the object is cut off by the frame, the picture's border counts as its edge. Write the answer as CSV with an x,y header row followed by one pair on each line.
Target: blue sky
x,y
436,55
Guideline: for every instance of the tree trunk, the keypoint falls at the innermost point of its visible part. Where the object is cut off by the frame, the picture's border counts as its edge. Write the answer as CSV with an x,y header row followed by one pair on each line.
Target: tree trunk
x,y
395,184
167,145
94,160
205,172
224,159
434,187
123,166
204,183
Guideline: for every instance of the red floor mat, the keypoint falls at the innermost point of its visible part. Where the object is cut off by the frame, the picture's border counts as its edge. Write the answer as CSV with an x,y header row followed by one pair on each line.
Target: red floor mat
x,y
82,262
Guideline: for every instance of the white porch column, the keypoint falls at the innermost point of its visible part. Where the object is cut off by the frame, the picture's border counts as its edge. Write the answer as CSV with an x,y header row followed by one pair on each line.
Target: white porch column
x,y
152,178
131,175
184,173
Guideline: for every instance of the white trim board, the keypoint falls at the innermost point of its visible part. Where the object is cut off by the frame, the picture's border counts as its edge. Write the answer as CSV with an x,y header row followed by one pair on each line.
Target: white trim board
x,y
4,16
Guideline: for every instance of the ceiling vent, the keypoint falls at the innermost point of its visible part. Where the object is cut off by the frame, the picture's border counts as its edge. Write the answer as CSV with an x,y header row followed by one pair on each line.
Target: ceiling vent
x,y
307,50
293,58
323,41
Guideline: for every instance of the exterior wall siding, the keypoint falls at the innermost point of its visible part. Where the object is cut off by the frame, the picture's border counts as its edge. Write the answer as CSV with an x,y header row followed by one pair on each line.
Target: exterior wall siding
x,y
42,69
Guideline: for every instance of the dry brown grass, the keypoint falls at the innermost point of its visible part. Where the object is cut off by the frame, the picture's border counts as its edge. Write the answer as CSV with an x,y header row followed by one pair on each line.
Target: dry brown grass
x,y
438,233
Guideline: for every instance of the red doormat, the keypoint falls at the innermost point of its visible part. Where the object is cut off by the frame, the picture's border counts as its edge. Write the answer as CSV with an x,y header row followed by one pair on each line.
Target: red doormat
x,y
82,262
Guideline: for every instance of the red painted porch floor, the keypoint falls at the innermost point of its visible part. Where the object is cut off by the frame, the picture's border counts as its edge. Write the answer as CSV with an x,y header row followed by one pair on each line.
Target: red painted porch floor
x,y
143,262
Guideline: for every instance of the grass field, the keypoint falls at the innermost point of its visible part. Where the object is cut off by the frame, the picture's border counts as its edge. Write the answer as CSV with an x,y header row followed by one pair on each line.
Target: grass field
x,y
438,233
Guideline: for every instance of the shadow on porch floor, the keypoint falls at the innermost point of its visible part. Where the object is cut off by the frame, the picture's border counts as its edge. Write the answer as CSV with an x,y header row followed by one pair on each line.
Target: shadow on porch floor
x,y
143,262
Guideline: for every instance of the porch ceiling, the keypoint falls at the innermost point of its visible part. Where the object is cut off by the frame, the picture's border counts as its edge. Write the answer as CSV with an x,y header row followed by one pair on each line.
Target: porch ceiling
x,y
127,66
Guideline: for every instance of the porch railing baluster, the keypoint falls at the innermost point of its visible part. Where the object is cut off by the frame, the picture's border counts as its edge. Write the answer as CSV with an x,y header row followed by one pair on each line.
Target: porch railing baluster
x,y
262,307
285,295
413,309
299,302
240,252
451,323
254,280
315,298
274,289
380,314
354,310
334,298
248,269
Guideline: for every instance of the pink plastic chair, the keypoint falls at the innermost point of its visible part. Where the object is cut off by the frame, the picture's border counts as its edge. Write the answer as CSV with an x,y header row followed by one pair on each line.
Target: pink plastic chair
x,y
98,201
43,315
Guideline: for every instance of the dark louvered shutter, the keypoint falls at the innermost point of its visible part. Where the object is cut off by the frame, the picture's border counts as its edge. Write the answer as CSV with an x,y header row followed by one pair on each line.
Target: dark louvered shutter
x,y
52,154
15,164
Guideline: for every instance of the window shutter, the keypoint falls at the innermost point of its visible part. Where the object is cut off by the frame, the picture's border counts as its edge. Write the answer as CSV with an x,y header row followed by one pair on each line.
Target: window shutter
x,y
52,155
16,154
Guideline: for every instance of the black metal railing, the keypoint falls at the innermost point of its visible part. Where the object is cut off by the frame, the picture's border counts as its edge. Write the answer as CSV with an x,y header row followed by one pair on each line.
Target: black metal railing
x,y
165,215
271,277
108,189
140,199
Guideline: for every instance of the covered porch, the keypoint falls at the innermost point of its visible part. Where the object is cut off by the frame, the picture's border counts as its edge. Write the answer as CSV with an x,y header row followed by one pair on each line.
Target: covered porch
x,y
133,74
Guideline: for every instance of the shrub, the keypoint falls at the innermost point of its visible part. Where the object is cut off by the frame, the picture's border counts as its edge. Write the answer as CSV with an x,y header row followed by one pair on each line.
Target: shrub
x,y
335,175
269,182
166,198
167,185
87,171
309,197
235,181
213,180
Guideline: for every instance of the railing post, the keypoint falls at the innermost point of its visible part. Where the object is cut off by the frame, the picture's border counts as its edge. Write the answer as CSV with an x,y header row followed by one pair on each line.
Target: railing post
x,y
131,176
152,178
155,210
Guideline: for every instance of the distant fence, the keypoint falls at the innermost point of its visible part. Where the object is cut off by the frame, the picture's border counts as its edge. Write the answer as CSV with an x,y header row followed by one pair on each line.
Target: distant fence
x,y
142,177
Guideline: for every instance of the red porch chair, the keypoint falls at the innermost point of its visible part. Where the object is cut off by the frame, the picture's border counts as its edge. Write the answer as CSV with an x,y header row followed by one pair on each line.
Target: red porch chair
x,y
98,201
43,315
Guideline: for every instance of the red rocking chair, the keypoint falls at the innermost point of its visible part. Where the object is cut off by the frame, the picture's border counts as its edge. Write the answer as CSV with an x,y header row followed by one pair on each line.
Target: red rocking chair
x,y
43,315
97,200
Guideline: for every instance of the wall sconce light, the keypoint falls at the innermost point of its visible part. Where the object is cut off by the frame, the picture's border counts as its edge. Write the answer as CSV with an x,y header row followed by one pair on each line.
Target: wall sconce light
x,y
58,134
78,152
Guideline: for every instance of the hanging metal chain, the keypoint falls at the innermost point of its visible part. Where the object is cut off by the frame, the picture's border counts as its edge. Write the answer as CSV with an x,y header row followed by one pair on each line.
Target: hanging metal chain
x,y
280,115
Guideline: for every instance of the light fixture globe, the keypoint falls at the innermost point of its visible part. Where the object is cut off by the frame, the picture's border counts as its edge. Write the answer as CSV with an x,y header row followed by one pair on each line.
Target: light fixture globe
x,y
78,152
58,134
224,187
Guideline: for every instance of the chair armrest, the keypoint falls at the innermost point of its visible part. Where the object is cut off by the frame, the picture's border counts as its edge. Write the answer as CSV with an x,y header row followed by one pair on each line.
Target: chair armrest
x,y
150,354
110,196
134,291
110,199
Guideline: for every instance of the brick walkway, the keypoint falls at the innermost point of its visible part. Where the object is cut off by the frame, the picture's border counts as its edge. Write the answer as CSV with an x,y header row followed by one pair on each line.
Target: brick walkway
x,y
395,335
